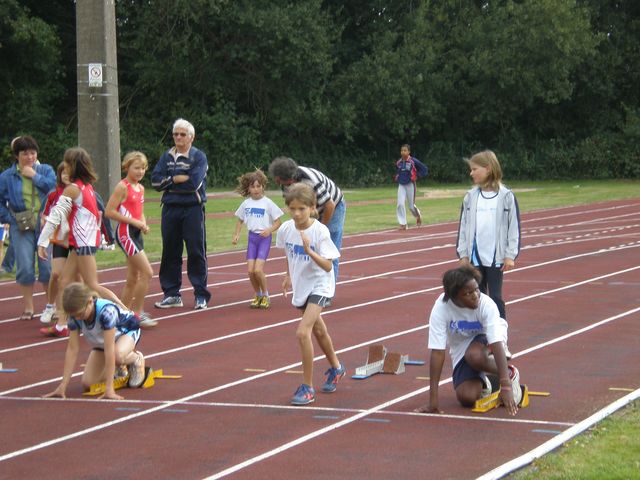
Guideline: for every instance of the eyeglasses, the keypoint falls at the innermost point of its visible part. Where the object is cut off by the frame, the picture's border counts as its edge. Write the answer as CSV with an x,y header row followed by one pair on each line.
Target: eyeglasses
x,y
180,134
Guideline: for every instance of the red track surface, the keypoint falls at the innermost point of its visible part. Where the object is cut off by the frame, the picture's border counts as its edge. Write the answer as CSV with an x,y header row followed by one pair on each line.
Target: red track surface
x,y
579,266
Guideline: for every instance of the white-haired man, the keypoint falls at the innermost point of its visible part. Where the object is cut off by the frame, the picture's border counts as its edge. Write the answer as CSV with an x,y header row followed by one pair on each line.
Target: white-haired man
x,y
181,175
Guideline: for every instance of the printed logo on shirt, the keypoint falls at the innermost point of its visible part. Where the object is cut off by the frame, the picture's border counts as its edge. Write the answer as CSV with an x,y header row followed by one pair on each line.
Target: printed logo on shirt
x,y
297,251
465,327
254,212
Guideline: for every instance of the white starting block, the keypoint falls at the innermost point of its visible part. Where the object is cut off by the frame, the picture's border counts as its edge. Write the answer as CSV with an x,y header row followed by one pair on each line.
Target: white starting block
x,y
381,361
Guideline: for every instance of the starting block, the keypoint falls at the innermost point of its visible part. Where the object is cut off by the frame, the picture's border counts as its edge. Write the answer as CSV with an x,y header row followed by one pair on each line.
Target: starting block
x,y
492,401
150,376
381,361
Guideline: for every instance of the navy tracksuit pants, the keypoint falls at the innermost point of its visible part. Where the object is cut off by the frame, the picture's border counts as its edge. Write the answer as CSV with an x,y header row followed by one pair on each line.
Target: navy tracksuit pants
x,y
183,225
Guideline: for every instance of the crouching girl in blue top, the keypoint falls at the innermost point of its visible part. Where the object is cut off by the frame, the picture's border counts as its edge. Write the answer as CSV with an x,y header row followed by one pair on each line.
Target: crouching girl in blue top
x,y
112,332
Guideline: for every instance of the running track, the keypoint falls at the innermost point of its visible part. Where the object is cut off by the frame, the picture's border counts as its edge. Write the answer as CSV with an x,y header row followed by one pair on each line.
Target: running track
x,y
574,315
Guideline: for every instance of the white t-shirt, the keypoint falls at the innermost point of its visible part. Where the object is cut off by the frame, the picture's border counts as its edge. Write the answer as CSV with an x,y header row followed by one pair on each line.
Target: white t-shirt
x,y
486,227
306,275
258,215
457,326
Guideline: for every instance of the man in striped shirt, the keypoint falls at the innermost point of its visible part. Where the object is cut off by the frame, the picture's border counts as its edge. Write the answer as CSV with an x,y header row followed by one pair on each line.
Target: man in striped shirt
x,y
330,202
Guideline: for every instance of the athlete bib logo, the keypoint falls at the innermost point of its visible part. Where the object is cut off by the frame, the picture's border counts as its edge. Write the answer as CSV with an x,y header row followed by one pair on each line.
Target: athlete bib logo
x,y
465,327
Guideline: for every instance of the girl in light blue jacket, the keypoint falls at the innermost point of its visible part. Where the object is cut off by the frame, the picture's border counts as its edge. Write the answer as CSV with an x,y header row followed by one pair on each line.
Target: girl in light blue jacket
x,y
489,230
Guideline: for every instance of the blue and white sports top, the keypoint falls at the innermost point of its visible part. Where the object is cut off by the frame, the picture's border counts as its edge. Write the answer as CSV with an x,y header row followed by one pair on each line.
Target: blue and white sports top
x,y
107,316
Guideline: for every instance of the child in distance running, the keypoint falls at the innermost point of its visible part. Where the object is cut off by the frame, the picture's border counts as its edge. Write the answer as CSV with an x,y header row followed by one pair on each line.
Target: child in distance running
x,y
309,252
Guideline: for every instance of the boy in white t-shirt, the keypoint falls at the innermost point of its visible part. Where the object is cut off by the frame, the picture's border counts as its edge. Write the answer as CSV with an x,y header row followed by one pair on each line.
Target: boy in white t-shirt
x,y
468,321
262,217
309,252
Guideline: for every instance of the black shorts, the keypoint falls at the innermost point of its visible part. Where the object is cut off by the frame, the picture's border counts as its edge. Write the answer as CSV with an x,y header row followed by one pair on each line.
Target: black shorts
x,y
463,371
317,300
58,251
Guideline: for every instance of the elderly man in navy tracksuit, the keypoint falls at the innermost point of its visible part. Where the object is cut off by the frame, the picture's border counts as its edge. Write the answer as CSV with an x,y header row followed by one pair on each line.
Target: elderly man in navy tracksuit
x,y
181,175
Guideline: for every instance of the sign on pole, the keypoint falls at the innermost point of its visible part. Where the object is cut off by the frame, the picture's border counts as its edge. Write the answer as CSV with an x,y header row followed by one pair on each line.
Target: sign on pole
x,y
95,75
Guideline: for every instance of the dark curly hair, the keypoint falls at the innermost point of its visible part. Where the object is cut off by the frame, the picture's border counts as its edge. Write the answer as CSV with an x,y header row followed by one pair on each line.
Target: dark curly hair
x,y
455,280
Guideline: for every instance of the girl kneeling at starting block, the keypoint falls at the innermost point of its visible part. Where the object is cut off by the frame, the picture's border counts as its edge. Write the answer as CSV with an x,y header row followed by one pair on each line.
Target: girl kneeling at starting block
x,y
112,332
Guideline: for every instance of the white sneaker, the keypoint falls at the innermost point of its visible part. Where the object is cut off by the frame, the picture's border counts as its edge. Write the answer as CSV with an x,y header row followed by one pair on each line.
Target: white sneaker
x,y
136,372
514,376
146,321
487,388
47,314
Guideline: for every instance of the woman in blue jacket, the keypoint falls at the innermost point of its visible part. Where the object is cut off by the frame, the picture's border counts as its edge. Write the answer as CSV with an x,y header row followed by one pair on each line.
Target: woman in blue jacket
x,y
23,188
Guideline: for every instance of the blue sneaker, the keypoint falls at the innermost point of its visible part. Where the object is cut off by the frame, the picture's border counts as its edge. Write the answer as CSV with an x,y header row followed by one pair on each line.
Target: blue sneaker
x,y
201,304
304,395
333,377
169,302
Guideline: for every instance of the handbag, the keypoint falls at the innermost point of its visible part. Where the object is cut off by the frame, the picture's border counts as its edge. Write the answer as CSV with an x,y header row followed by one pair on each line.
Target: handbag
x,y
26,220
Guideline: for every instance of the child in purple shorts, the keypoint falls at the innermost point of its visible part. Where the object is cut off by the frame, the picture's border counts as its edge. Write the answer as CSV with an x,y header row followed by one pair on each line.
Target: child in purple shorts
x,y
262,217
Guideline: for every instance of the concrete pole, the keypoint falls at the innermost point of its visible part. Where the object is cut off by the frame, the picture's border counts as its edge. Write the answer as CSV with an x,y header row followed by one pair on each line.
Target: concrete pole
x,y
97,76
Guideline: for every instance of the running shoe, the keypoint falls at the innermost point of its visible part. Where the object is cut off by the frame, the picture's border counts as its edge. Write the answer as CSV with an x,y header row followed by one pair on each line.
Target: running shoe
x,y
169,302
255,303
201,304
304,395
47,314
333,377
265,302
486,386
136,371
53,331
146,321
514,376
121,371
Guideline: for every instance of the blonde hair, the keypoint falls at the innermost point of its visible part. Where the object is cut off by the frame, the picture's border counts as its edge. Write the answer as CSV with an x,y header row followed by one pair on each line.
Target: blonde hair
x,y
134,156
75,297
487,159
302,193
248,179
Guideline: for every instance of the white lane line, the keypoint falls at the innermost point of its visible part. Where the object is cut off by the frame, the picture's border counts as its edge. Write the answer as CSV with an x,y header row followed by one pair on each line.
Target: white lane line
x,y
299,440
413,238
310,408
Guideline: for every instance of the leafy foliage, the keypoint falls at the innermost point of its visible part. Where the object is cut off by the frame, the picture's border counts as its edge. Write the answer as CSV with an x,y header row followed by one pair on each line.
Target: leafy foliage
x,y
550,85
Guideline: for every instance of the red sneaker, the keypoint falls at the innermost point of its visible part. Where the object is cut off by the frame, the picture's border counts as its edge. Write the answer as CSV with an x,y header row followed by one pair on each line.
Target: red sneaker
x,y
52,331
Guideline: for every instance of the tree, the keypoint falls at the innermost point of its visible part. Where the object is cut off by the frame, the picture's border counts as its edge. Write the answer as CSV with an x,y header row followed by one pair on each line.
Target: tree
x,y
30,77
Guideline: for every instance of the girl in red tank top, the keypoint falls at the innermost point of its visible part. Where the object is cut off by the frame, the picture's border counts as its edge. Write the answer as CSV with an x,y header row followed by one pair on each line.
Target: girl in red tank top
x,y
126,206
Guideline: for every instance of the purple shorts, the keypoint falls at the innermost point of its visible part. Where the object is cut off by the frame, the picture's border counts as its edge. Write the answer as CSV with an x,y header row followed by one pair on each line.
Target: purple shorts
x,y
258,247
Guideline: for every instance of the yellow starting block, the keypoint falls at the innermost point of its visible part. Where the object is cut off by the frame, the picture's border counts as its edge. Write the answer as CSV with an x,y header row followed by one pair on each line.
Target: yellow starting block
x,y
121,382
492,401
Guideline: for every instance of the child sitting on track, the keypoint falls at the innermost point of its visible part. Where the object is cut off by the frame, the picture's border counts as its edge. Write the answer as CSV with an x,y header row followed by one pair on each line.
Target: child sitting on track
x,y
113,333
468,321
309,252
262,217
126,206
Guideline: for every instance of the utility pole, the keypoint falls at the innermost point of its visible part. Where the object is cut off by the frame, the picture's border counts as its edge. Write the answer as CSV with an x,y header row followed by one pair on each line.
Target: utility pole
x,y
97,76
